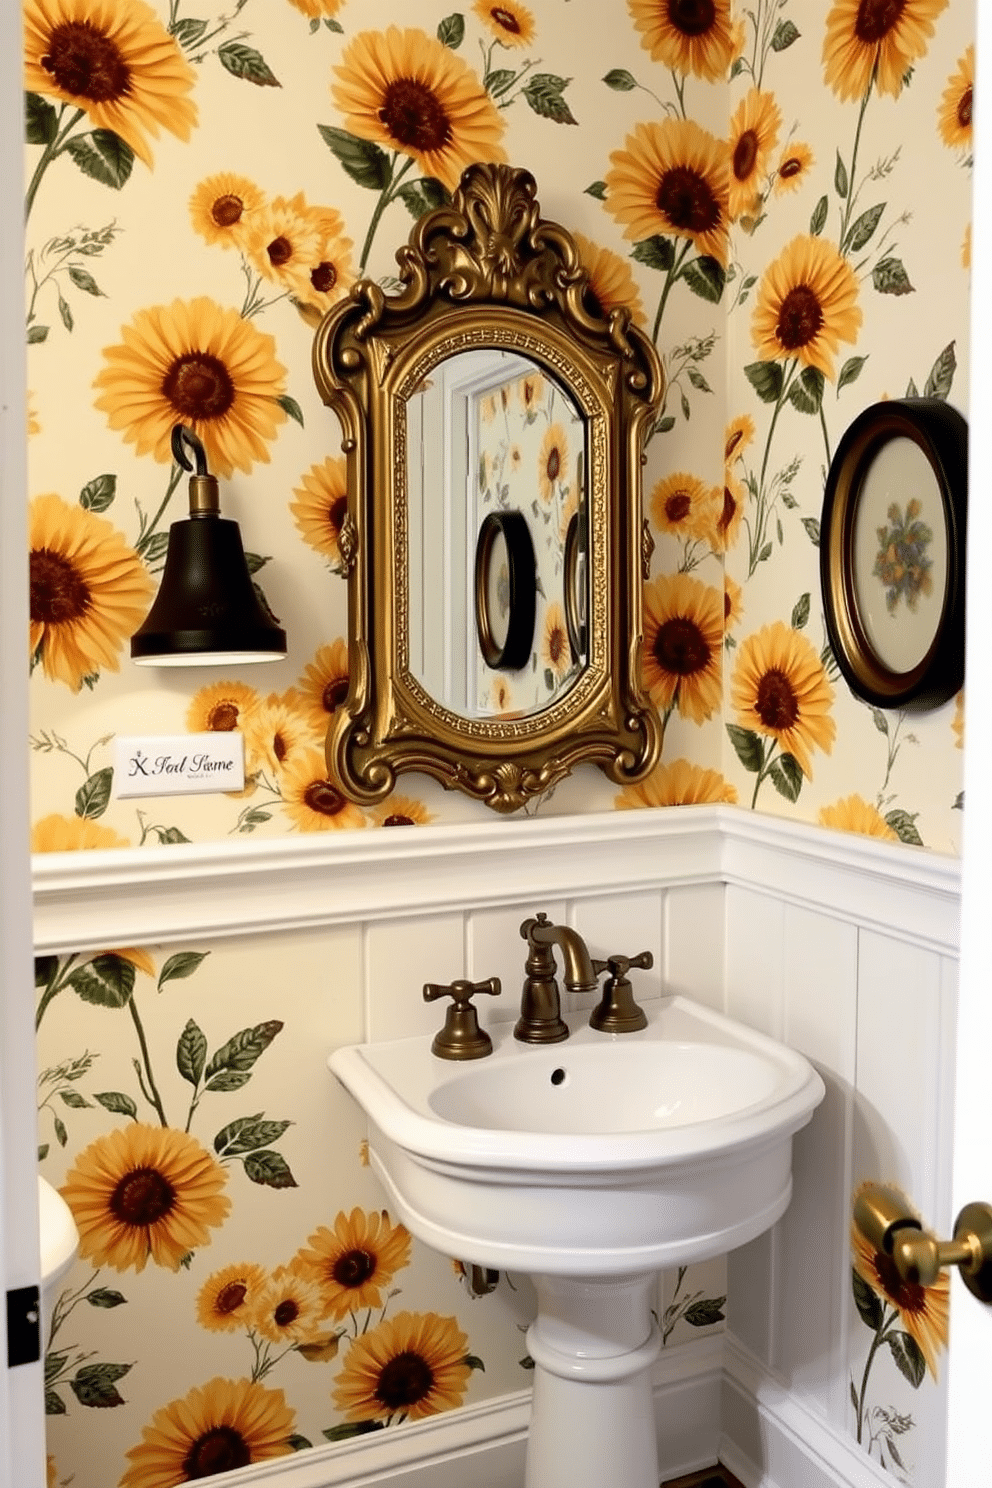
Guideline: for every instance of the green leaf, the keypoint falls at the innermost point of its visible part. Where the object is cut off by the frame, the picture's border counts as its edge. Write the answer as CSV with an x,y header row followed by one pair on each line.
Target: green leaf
x,y
903,823
851,371
800,612
106,981
256,561
806,393
73,1099
104,1297
868,1303
297,1442
747,746
98,493
245,62
597,189
93,796
416,199
45,968
229,1080
474,1362
766,379
116,1101
880,721
270,1169
785,34
365,162
656,253
41,122
291,407
65,312
543,91
890,277
94,1384
103,156
451,31
620,80
841,184
43,1151
818,221
704,1313
765,553
61,1135
698,380
499,81
156,547
169,835
665,424
241,1051
912,391
181,965
54,1404
938,384
188,31
787,777
958,802
862,230
908,1357
247,1134
345,1430
333,25
55,1361
37,333
705,277
854,1396
191,1053
812,525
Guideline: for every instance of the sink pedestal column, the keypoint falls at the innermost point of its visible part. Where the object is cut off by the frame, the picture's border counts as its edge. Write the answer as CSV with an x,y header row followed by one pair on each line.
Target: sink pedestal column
x,y
592,1421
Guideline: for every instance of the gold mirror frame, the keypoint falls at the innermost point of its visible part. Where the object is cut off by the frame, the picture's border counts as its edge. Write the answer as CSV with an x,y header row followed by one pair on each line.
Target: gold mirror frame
x,y
487,272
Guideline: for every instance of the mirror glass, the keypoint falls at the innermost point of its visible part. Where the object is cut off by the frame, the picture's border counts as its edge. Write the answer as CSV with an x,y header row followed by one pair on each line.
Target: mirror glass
x,y
497,526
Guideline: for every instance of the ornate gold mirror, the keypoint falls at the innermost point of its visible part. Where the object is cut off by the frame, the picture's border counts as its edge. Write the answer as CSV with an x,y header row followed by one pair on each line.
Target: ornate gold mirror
x,y
493,420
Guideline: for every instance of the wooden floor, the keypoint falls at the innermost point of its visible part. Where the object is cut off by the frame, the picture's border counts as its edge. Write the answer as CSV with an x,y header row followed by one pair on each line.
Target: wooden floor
x,y
710,1477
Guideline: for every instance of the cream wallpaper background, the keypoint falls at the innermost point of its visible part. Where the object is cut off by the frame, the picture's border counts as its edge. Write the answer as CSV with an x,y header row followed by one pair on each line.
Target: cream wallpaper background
x,y
845,189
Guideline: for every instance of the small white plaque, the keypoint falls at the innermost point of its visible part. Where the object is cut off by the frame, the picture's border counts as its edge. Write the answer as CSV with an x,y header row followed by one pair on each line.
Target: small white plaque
x,y
179,764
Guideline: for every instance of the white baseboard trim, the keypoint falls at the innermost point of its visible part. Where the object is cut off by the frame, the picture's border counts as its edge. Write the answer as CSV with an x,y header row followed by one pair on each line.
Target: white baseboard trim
x,y
770,1439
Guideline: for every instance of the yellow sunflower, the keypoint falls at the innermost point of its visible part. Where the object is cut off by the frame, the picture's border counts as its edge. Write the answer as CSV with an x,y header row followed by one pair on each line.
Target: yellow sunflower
x,y
678,784
222,208
289,1307
807,304
33,425
854,814
753,136
224,1301
966,247
274,735
407,91
194,362
139,959
215,1428
780,688
323,687
51,1471
733,603
116,61
502,697
401,811
672,177
321,506
957,722
221,707
689,36
611,284
682,505
312,801
329,277
283,240
556,649
740,433
531,390
730,515
354,1263
923,1311
411,1366
510,23
56,833
876,39
88,591
315,9
683,645
954,114
552,462
143,1192
793,168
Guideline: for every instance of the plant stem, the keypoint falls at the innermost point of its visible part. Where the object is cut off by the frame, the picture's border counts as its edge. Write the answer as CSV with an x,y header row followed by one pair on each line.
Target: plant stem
x,y
673,275
876,1343
144,539
846,216
58,981
51,151
154,1096
387,195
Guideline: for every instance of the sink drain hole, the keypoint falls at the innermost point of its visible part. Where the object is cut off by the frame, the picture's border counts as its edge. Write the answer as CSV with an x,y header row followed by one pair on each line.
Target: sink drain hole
x,y
558,1076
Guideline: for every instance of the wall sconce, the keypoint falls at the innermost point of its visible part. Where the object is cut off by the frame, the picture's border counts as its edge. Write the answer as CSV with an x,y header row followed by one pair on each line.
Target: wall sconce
x,y
207,610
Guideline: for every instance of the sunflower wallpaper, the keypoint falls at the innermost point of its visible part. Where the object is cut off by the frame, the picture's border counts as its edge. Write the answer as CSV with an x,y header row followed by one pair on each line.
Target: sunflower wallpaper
x,y
781,194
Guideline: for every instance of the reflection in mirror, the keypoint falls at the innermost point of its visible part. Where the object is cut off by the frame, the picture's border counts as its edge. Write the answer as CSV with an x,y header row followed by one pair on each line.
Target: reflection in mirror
x,y
505,591
490,431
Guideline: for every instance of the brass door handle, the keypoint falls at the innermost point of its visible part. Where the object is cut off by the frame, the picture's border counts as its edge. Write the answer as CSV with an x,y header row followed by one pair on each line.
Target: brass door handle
x,y
888,1224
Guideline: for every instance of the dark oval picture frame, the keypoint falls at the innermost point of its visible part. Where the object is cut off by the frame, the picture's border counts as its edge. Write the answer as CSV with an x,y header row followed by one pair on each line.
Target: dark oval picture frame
x,y
518,643
892,553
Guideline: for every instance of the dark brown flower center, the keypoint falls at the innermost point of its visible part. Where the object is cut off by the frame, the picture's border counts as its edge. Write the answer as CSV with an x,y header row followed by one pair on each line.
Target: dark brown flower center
x,y
964,109
199,386
227,210
223,718
86,63
398,821
279,251
727,606
553,467
876,18
745,154
142,1197
279,747
678,506
354,1268
322,797
414,116
790,167
218,1450
287,1312
230,1297
729,509
506,19
776,703
799,319
685,198
59,594
324,277
908,1296
692,17
404,1380
336,511
680,647
556,644
733,441
334,693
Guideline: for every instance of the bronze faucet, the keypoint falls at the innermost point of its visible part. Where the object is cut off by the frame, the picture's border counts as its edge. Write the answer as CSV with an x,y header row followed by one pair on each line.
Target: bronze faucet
x,y
540,1020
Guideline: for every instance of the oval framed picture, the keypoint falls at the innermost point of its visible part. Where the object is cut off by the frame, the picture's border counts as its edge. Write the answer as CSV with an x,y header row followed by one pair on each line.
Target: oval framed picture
x,y
892,548
505,591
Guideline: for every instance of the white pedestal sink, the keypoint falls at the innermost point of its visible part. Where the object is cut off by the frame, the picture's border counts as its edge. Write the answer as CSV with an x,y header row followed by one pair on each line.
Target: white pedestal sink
x,y
591,1165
